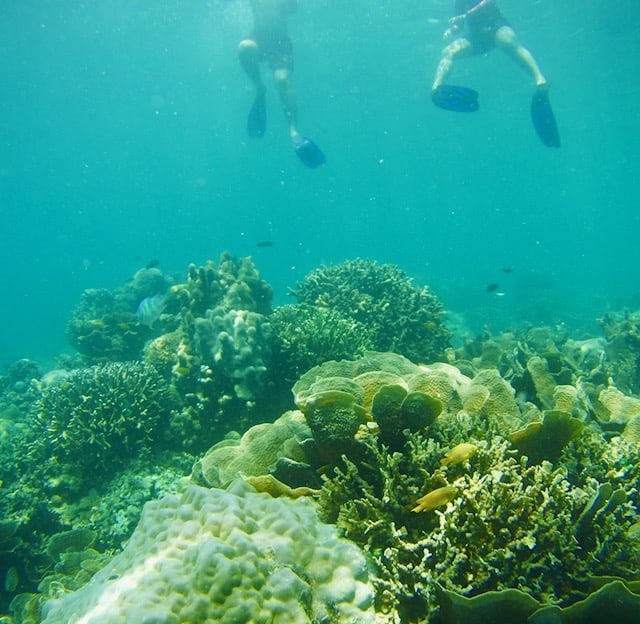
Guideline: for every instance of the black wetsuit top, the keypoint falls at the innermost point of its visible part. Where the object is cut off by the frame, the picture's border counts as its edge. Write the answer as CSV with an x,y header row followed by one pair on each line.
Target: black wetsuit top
x,y
482,24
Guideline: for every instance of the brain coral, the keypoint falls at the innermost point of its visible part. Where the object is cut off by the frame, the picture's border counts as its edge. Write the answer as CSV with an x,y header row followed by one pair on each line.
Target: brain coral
x,y
226,556
400,316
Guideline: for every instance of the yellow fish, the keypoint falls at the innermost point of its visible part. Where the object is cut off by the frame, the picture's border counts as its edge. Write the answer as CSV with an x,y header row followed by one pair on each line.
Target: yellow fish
x,y
436,498
458,454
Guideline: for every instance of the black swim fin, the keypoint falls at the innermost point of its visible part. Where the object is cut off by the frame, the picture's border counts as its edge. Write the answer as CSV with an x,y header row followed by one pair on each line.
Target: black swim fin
x,y
543,118
309,153
454,98
257,119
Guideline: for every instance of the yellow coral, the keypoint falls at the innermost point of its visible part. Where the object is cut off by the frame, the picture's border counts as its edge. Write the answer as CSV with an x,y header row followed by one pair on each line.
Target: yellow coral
x,y
372,381
621,408
475,398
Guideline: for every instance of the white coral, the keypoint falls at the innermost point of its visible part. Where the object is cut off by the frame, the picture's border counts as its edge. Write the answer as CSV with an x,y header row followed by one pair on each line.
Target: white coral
x,y
226,556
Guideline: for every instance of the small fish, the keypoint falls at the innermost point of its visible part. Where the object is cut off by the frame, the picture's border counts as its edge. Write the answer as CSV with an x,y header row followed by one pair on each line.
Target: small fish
x,y
458,454
436,498
265,243
507,269
150,309
153,263
492,287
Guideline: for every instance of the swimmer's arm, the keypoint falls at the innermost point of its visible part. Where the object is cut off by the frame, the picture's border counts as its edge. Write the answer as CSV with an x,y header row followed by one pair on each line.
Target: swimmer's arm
x,y
478,6
456,22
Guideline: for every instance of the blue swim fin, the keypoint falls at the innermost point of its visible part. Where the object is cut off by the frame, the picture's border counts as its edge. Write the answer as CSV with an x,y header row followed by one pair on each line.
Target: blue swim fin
x,y
454,98
257,119
309,153
543,119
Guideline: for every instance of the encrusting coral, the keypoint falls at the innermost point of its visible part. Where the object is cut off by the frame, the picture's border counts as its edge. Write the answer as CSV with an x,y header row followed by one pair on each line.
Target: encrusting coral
x,y
264,449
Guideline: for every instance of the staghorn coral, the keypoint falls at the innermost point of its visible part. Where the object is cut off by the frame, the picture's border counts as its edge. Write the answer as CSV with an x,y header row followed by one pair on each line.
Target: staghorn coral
x,y
510,526
400,316
97,419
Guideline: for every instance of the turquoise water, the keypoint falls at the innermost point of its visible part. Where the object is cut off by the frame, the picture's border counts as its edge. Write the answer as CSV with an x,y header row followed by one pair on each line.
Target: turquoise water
x,y
123,139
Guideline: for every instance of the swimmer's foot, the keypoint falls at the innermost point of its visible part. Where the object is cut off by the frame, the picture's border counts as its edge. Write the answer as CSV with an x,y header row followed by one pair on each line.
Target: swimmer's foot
x,y
257,119
543,118
455,98
308,152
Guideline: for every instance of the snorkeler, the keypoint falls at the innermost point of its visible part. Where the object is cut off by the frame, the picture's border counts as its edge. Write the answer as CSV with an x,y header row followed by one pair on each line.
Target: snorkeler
x,y
487,27
270,42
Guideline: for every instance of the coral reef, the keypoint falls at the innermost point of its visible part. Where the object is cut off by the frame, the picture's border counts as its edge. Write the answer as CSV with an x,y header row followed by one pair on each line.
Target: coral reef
x,y
227,556
500,482
104,326
220,354
398,315
515,511
622,332
235,344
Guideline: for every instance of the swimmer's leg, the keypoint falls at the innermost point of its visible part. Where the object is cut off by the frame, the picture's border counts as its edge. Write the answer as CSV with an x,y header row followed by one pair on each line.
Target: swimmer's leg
x,y
249,56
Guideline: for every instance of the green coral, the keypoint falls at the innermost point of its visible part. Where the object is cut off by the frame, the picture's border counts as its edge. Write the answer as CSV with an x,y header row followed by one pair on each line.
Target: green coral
x,y
99,418
220,354
399,315
305,336
268,448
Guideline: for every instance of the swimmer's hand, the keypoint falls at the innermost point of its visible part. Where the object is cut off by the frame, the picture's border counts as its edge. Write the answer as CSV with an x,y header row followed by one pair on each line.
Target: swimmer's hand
x,y
456,26
450,33
458,20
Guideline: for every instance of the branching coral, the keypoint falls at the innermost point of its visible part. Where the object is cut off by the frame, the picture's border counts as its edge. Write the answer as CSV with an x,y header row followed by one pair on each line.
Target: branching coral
x,y
503,516
400,316
510,525
99,418
305,336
